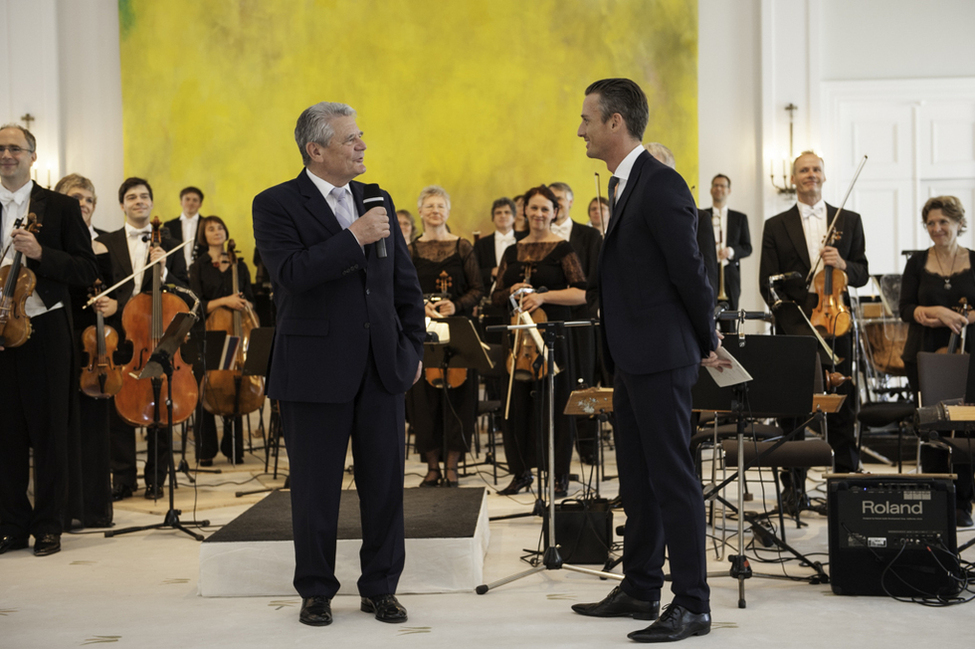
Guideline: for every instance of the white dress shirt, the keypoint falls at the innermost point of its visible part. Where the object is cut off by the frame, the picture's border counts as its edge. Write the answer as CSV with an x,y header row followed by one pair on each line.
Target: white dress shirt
x,y
138,252
16,205
190,226
719,221
501,243
563,229
814,226
623,172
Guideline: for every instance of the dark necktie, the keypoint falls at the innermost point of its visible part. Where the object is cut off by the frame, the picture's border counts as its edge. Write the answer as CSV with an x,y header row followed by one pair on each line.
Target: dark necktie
x,y
613,183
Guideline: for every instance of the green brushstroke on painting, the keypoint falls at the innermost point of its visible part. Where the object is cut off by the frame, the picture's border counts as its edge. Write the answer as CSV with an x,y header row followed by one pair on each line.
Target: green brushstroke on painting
x,y
482,96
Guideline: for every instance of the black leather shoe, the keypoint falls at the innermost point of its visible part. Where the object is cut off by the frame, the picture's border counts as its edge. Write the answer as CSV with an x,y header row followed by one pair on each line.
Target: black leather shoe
x,y
153,492
46,544
11,542
619,604
963,518
316,611
206,463
676,623
121,492
431,482
386,608
562,486
517,484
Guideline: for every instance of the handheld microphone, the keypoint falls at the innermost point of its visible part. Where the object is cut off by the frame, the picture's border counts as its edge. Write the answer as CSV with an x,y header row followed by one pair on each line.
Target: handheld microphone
x,y
373,197
784,276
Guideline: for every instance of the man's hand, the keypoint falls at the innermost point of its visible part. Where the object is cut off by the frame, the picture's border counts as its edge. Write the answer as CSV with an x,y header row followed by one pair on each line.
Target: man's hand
x,y
831,257
106,306
445,308
715,361
156,252
371,226
25,242
419,371
724,253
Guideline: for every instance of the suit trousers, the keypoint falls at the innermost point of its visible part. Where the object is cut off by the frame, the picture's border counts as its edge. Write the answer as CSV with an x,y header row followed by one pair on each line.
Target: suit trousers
x,y
317,437
662,496
35,392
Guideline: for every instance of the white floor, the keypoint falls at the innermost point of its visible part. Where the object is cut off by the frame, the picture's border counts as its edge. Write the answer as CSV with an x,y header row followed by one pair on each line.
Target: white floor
x,y
140,590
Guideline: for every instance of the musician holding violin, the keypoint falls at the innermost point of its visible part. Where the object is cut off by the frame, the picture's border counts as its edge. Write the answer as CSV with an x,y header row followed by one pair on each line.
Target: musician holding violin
x,y
451,282
96,337
795,241
38,363
212,280
542,260
937,293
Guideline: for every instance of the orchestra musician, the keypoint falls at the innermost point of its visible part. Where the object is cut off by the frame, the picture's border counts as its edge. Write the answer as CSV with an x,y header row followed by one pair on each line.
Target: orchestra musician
x,y
793,241
598,212
732,242
407,224
447,268
935,284
89,470
348,343
184,228
540,260
489,249
211,280
39,378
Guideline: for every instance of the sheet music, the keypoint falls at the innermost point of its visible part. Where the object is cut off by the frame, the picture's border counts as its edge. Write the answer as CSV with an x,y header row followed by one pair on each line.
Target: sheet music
x,y
726,377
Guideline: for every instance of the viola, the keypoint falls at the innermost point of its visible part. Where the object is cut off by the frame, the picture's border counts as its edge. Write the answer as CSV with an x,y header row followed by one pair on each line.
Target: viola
x,y
228,392
101,378
831,317
954,343
455,375
144,320
18,283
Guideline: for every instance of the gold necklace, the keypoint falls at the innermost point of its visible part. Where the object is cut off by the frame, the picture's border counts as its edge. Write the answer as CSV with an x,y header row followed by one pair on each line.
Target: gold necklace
x,y
951,270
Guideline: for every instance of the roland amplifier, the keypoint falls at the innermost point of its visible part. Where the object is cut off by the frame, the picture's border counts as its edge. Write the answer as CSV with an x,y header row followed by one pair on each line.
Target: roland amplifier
x,y
880,528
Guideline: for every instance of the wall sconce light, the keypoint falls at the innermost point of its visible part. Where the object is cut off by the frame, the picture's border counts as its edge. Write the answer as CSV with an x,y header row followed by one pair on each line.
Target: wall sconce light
x,y
787,187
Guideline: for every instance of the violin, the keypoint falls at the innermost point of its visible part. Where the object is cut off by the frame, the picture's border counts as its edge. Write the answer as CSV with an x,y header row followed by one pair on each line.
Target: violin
x,y
101,378
228,392
455,375
18,283
144,321
955,345
831,317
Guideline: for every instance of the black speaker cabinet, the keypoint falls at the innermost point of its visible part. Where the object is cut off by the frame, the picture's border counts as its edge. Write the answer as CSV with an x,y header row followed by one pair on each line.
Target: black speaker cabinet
x,y
583,530
880,529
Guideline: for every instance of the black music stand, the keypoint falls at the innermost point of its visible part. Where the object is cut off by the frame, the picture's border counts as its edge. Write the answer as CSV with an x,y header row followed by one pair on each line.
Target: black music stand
x,y
783,369
160,362
462,350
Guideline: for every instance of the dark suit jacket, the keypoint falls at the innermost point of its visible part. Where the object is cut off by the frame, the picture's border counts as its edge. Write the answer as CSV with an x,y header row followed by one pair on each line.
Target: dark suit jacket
x,y
657,306
784,250
334,302
738,238
486,259
586,242
705,243
66,257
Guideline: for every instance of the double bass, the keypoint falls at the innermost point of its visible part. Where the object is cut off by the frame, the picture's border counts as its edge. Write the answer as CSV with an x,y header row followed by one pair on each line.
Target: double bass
x,y
144,321
101,378
18,283
227,392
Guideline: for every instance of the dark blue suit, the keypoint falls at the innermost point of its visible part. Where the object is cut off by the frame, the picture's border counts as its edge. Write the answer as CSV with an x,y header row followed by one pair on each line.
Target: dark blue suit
x,y
657,314
349,335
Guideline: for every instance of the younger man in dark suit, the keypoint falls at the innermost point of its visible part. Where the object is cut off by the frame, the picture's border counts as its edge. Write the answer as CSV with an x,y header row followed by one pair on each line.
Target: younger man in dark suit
x,y
488,249
183,228
732,239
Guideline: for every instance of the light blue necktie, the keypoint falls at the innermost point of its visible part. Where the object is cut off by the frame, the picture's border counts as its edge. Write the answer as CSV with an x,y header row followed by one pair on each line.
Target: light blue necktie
x,y
343,211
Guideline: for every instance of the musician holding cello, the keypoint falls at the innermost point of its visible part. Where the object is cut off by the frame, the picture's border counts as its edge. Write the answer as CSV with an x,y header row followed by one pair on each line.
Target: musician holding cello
x,y
212,280
38,363
542,259
451,281
937,293
794,242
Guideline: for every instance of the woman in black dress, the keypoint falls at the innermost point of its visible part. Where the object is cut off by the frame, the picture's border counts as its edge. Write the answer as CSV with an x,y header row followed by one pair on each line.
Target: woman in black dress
x,y
935,283
211,279
451,280
540,260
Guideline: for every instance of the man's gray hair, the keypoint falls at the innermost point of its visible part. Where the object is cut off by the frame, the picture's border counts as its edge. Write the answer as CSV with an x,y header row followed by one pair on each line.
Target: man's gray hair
x,y
315,125
563,187
662,154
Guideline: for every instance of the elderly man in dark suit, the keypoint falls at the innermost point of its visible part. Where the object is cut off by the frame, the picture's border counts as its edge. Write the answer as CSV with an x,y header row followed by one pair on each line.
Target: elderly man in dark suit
x,y
39,378
732,238
348,345
656,306
793,242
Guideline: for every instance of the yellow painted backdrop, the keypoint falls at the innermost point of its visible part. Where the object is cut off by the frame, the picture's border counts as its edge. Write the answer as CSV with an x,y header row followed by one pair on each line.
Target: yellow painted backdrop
x,y
479,96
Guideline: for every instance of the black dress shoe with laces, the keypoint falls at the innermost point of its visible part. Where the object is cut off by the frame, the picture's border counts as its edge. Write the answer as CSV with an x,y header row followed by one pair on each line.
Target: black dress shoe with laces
x,y
562,486
46,544
386,607
316,611
963,518
517,484
676,623
121,492
619,604
10,542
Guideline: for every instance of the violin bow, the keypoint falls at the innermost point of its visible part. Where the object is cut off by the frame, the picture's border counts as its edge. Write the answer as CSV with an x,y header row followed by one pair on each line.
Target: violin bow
x,y
145,268
832,225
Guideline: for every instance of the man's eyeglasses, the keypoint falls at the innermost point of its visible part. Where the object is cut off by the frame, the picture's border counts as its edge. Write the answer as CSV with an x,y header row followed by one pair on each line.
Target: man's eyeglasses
x,y
14,149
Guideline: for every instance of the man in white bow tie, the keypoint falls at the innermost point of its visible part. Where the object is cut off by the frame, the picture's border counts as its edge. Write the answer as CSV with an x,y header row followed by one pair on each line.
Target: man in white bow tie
x,y
793,241
38,378
130,250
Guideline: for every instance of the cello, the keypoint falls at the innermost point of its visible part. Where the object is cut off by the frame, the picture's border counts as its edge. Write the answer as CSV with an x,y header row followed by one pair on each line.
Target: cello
x,y
101,378
18,283
144,320
227,392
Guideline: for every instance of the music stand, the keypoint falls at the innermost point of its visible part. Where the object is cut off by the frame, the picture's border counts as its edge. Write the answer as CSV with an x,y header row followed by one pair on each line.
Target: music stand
x,y
783,370
588,402
160,362
461,350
